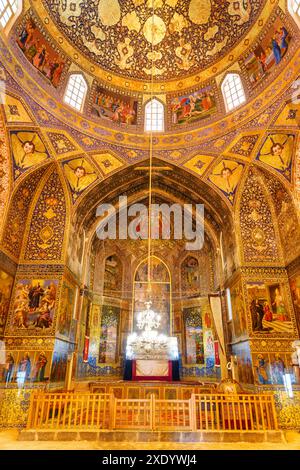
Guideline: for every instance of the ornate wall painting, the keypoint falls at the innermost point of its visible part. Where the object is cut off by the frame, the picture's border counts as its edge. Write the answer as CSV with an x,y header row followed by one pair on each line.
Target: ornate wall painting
x,y
113,276
28,150
15,111
46,232
290,115
115,107
199,164
107,163
269,368
6,283
34,306
295,291
269,53
108,347
238,310
26,367
244,362
62,144
190,277
277,152
194,340
268,308
66,309
226,177
80,175
193,107
59,361
40,53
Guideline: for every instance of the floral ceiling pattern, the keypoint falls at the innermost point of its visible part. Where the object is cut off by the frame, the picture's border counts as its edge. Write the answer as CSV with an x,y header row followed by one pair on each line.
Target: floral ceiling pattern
x,y
174,38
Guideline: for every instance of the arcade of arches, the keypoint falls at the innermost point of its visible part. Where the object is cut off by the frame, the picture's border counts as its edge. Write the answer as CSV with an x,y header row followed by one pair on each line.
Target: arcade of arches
x,y
74,87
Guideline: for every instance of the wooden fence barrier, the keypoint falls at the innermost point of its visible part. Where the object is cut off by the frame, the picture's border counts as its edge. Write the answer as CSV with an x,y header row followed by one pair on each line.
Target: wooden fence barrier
x,y
212,412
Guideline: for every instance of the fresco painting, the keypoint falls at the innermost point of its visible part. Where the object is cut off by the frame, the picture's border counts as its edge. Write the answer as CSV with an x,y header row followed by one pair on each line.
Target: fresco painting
x,y
114,107
193,107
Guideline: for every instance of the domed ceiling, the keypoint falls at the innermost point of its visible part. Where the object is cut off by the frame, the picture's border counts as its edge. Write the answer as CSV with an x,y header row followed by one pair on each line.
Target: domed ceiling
x,y
187,35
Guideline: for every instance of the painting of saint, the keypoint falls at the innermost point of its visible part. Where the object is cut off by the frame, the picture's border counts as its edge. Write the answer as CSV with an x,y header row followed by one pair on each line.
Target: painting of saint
x,y
262,370
277,370
28,150
24,369
280,312
113,275
238,310
226,177
9,368
114,107
269,53
34,305
40,53
295,290
66,310
277,152
190,276
6,282
193,107
80,174
40,367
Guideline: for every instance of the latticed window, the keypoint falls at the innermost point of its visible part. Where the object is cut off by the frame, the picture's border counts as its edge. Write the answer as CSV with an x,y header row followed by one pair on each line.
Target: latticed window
x,y
8,8
233,91
295,6
76,91
154,116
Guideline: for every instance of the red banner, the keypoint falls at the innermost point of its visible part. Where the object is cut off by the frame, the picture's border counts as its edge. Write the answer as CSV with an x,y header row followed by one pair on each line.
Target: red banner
x,y
86,349
217,354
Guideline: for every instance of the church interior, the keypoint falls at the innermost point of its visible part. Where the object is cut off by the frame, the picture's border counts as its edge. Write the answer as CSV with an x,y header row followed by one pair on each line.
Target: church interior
x,y
172,103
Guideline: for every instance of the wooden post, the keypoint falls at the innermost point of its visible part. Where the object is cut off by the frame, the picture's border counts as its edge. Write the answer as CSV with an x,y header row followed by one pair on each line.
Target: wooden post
x,y
193,412
152,412
112,412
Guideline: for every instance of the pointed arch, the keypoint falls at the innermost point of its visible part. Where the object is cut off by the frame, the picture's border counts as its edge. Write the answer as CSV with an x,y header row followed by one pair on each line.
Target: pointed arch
x,y
154,116
46,234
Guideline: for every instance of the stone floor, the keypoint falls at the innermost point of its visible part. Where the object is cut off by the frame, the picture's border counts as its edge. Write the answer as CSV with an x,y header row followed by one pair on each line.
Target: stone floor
x,y
8,441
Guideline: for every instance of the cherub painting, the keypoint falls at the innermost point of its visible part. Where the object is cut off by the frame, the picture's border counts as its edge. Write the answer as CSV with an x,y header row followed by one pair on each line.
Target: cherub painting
x,y
80,174
226,177
28,150
277,152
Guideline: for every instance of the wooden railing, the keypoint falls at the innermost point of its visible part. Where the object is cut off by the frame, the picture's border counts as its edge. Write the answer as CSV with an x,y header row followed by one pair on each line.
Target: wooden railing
x,y
212,412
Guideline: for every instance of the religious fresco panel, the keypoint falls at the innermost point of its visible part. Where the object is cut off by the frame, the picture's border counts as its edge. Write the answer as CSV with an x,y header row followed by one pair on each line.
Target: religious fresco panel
x,y
238,310
269,308
59,361
244,363
28,150
108,347
66,309
24,367
277,152
6,284
268,53
34,306
114,107
269,368
113,276
295,291
190,277
193,107
40,52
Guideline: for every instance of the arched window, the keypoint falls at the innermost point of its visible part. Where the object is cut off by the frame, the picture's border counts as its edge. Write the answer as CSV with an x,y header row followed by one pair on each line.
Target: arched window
x,y
294,7
76,91
154,116
9,8
233,91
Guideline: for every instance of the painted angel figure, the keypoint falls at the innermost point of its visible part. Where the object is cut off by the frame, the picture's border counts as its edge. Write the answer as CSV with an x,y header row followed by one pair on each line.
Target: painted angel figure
x,y
227,177
80,175
277,151
28,149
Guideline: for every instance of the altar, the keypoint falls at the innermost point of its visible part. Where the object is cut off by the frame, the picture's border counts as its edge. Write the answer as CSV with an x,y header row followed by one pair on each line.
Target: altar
x,y
149,355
